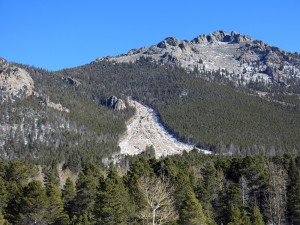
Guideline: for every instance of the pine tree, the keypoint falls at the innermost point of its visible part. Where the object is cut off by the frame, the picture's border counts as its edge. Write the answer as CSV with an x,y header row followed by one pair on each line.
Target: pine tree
x,y
257,218
55,209
86,190
234,216
109,207
2,220
68,195
293,194
33,204
3,194
191,212
245,218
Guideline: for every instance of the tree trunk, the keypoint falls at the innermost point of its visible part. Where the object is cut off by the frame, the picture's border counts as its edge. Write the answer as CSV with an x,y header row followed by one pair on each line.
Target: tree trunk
x,y
153,217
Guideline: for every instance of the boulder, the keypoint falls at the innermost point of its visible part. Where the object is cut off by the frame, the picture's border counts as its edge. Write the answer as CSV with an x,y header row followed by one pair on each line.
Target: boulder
x,y
70,81
115,103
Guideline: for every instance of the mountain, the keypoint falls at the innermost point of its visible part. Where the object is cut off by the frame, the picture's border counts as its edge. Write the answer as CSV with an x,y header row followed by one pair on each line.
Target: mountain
x,y
237,56
206,92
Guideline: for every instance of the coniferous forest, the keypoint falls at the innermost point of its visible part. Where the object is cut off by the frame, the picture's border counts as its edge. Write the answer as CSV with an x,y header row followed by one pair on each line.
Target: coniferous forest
x,y
192,188
252,177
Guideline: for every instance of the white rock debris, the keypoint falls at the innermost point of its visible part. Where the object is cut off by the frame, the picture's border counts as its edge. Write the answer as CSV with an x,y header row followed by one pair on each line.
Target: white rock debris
x,y
144,130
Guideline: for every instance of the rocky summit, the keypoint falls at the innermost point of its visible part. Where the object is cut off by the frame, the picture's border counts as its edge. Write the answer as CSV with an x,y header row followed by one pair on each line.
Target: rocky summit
x,y
235,55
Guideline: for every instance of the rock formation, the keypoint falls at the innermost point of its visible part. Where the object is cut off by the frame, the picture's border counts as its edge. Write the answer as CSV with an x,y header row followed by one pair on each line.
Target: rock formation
x,y
70,80
242,57
115,103
14,81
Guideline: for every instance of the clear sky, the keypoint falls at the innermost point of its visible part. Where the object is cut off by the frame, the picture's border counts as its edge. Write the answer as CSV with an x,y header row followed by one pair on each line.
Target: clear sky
x,y
56,34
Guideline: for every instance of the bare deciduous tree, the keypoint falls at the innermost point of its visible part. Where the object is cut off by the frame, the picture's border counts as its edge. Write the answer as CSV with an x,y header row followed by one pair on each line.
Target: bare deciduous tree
x,y
276,198
158,195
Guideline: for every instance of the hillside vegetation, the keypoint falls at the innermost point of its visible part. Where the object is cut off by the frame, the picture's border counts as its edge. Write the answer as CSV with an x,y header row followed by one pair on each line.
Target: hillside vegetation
x,y
200,108
190,189
202,111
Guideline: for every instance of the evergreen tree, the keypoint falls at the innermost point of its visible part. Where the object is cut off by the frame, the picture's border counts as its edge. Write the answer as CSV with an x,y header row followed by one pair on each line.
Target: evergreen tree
x,y
33,204
2,220
234,216
293,194
245,218
3,194
109,208
191,212
86,190
68,195
81,220
234,194
55,209
257,218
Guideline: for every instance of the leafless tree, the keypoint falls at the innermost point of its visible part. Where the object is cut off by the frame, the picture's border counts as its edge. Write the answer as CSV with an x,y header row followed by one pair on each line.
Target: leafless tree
x,y
277,193
158,196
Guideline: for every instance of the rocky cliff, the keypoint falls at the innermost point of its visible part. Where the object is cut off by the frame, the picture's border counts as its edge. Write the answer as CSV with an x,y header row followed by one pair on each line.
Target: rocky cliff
x,y
236,56
14,81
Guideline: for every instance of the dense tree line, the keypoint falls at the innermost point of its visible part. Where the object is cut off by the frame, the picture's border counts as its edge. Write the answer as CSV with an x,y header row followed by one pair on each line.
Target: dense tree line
x,y
192,188
200,109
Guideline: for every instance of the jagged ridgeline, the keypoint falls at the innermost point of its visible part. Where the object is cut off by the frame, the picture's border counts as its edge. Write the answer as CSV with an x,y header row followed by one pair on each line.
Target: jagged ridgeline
x,y
60,116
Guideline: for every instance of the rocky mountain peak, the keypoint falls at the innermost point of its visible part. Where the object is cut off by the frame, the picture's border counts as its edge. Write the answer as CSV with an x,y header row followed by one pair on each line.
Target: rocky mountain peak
x,y
239,55
222,36
168,41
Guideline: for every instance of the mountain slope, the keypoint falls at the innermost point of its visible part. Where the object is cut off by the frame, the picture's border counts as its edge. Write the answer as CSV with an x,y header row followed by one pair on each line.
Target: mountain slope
x,y
144,130
237,56
200,112
58,117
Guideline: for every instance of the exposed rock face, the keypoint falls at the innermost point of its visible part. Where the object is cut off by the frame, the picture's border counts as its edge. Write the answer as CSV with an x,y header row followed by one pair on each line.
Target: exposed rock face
x,y
45,101
115,103
243,58
14,81
70,81
222,36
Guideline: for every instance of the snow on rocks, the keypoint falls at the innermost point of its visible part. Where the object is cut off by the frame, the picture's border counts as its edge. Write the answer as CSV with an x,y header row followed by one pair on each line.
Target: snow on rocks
x,y
144,130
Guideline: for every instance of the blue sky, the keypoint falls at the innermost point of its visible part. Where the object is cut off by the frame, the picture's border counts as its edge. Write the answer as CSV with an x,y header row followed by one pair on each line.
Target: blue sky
x,y
58,34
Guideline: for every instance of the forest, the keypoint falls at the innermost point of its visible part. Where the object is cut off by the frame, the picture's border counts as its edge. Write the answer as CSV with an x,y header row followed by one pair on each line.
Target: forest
x,y
187,189
201,108
252,177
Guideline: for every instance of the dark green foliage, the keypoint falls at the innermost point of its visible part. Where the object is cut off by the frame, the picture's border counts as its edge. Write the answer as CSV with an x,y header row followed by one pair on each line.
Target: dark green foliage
x,y
220,117
293,193
3,221
112,201
234,216
86,187
257,218
55,209
232,190
33,204
190,212
68,196
3,194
